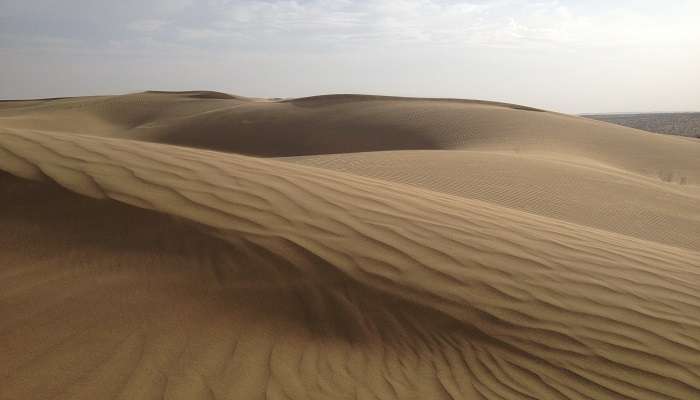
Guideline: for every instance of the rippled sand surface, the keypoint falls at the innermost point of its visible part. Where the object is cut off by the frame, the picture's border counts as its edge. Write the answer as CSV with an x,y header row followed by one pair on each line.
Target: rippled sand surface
x,y
196,245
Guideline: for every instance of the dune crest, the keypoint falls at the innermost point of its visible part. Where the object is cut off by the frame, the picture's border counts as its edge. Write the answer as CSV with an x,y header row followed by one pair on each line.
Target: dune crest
x,y
186,273
521,284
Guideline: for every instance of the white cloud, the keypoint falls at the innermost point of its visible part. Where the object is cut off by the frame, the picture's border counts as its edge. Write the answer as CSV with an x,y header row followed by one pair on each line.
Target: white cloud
x,y
146,25
318,25
493,23
609,54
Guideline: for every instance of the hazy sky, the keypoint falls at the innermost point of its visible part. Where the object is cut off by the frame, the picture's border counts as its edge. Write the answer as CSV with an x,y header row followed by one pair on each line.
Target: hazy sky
x,y
566,55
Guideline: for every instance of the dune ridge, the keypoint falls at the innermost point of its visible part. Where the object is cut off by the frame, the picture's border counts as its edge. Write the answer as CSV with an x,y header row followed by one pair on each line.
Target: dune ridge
x,y
344,277
378,237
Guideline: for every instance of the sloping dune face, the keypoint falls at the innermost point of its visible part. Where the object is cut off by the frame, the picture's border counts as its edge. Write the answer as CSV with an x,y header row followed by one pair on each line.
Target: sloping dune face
x,y
343,247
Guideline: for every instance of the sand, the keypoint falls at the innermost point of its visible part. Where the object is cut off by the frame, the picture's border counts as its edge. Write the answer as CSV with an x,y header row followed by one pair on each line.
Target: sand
x,y
196,245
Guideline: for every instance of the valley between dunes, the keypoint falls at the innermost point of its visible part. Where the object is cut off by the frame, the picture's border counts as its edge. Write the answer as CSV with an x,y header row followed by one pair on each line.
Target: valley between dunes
x,y
198,245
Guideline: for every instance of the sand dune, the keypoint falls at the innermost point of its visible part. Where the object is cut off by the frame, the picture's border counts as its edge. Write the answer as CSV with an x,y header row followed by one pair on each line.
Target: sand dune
x,y
365,247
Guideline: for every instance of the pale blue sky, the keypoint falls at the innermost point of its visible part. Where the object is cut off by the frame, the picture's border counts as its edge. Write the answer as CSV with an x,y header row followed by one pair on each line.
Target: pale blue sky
x,y
566,55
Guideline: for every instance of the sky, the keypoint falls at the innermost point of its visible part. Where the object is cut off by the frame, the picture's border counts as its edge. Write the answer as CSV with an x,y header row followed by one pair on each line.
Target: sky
x,y
563,55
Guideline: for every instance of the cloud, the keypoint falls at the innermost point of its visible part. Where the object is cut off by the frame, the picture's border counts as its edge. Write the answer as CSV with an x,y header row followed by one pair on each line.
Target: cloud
x,y
323,25
146,25
611,55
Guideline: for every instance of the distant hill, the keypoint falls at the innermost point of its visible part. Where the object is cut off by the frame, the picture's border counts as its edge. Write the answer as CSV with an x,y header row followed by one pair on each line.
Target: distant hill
x,y
681,124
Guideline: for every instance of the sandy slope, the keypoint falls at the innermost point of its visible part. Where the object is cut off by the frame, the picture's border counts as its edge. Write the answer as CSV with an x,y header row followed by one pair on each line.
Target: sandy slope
x,y
474,250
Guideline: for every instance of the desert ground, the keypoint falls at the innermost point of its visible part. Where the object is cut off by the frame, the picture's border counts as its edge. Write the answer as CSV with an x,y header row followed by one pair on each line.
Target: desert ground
x,y
199,245
682,124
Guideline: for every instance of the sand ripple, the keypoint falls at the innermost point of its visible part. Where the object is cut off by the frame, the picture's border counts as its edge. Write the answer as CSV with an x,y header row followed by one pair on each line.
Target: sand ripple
x,y
204,274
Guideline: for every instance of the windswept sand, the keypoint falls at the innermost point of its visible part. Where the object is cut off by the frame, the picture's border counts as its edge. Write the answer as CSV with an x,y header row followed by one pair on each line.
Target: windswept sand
x,y
197,245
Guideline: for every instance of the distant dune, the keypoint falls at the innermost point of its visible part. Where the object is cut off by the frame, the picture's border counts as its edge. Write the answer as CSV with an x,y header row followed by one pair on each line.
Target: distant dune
x,y
199,245
681,124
